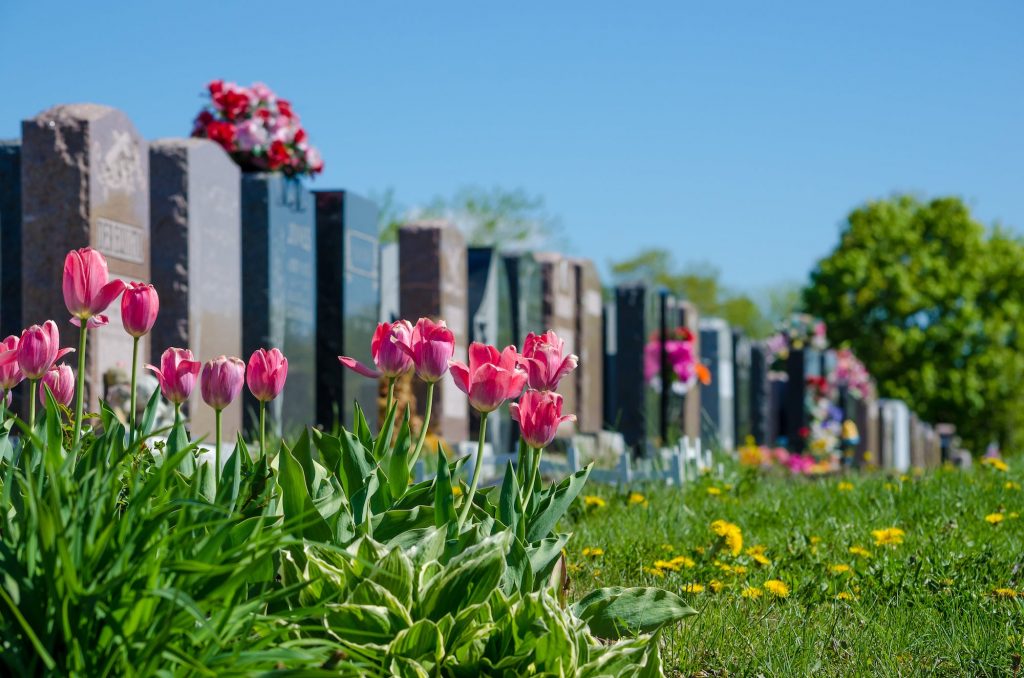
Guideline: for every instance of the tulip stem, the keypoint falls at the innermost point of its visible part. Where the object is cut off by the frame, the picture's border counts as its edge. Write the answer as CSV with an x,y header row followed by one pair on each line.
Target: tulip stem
x,y
3,406
33,384
476,470
80,391
263,449
536,454
177,413
391,395
216,428
426,425
131,412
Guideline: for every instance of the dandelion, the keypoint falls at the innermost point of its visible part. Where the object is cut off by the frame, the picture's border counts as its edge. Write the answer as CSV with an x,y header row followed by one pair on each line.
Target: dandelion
x,y
994,518
716,585
597,573
844,486
1010,485
860,551
815,540
777,588
637,498
904,478
714,491
590,501
667,548
888,536
751,592
592,552
730,533
890,486
756,549
654,571
739,569
666,565
683,561
844,595
841,568
724,567
995,463
1005,593
693,588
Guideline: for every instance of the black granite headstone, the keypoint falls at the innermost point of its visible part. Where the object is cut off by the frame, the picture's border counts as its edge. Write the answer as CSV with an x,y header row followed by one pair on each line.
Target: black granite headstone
x,y
10,237
716,397
741,380
279,291
628,409
526,296
490,322
348,302
794,404
759,394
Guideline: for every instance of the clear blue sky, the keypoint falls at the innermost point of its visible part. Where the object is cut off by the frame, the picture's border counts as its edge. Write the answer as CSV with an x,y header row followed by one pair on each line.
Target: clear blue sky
x,y
734,133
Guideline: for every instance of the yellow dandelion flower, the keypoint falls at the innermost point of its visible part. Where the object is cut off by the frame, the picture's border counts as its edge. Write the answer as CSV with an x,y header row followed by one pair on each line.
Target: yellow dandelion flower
x,y
683,560
1005,593
592,552
841,568
888,536
724,567
756,549
666,565
731,533
699,549
815,540
947,582
860,551
890,486
1010,485
777,588
904,478
654,571
844,486
595,502
573,568
1013,515
667,548
996,463
844,595
761,559
751,592
714,491
597,573
693,588
716,585
637,498
739,569
994,518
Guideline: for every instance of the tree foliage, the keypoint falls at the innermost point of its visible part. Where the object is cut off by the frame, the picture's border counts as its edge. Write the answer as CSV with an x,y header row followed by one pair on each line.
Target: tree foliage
x,y
934,304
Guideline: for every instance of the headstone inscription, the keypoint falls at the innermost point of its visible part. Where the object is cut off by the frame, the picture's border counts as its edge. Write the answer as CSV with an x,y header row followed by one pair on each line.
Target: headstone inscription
x,y
490,322
558,313
84,182
432,283
10,237
590,383
196,255
279,292
348,303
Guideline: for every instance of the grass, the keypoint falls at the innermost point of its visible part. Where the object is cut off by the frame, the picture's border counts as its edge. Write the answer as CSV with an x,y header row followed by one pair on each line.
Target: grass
x,y
926,606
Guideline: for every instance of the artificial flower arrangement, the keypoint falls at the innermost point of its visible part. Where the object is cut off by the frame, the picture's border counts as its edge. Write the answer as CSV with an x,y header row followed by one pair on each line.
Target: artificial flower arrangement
x,y
685,369
258,129
798,331
851,373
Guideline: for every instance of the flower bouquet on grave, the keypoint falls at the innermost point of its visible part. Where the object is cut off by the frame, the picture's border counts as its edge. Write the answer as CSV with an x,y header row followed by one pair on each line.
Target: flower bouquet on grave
x,y
798,331
851,373
684,370
258,129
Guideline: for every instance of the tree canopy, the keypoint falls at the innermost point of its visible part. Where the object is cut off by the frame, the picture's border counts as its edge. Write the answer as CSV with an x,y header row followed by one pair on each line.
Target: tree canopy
x,y
933,303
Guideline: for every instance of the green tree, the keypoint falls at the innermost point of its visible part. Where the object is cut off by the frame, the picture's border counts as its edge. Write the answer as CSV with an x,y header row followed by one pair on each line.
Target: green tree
x,y
934,305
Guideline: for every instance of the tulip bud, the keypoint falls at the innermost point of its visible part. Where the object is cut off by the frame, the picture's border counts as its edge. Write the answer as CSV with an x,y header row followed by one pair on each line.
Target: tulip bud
x,y
266,374
86,290
61,380
388,349
539,414
139,307
431,347
221,381
39,348
177,374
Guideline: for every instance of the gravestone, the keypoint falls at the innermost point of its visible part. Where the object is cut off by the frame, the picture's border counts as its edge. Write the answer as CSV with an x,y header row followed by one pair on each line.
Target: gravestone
x,y
348,303
10,237
656,398
794,402
741,379
778,423
760,395
590,382
432,283
871,441
558,313
626,411
917,442
895,417
690,319
390,309
279,293
84,182
717,397
490,322
526,294
196,255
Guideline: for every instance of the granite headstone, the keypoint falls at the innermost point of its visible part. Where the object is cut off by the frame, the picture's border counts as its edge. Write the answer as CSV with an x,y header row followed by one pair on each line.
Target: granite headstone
x,y
759,394
717,397
558,313
10,237
741,379
626,410
689,318
490,322
590,382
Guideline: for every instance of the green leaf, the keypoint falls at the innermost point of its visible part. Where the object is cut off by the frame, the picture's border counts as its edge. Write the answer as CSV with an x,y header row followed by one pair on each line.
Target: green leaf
x,y
299,510
383,441
444,498
468,578
510,502
149,415
357,464
544,553
422,642
398,460
616,612
555,504
360,623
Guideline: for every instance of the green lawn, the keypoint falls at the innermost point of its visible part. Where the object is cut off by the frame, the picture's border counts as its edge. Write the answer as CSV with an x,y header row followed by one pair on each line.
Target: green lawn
x,y
948,600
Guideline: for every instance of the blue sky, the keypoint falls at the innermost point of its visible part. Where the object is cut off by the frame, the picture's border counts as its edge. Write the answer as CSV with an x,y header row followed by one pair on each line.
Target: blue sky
x,y
735,133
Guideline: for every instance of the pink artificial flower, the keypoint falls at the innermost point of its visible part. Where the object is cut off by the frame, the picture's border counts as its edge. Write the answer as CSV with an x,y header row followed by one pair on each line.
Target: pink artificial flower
x,y
61,380
431,348
539,414
800,463
542,358
39,348
10,371
389,351
266,374
678,354
177,374
491,378
140,305
87,292
221,381
251,135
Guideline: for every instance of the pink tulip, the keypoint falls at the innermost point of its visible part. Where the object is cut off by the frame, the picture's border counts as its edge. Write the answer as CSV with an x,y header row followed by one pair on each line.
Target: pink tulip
x,y
266,374
539,414
221,381
87,292
10,370
139,307
177,374
61,380
39,348
542,358
431,348
491,378
388,351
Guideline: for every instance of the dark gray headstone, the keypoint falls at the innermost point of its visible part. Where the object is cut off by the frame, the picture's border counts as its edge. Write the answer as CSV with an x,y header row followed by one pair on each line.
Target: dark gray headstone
x,y
525,290
794,404
348,302
279,291
760,394
84,182
10,237
627,401
717,397
741,380
196,253
490,322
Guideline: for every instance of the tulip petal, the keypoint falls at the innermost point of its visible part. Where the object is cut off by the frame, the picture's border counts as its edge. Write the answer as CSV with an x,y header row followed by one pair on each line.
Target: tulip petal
x,y
97,321
112,290
567,366
358,367
513,410
516,384
156,370
460,375
482,354
63,352
7,357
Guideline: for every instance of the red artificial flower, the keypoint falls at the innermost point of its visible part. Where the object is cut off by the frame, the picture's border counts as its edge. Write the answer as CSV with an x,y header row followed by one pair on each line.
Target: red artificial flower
x,y
284,108
804,432
277,154
300,136
215,87
221,132
232,102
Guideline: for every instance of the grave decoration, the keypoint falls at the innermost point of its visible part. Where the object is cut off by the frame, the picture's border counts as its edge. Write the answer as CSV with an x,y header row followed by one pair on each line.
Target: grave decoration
x,y
258,129
795,333
684,369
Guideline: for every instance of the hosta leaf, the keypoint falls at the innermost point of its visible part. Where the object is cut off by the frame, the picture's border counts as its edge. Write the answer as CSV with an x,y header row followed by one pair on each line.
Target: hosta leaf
x,y
360,623
371,593
395,573
615,612
422,641
468,578
544,553
510,502
554,506
394,525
